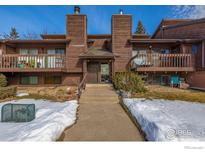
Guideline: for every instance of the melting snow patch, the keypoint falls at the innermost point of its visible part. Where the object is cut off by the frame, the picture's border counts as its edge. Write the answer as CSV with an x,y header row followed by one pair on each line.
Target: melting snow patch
x,y
51,120
164,120
19,94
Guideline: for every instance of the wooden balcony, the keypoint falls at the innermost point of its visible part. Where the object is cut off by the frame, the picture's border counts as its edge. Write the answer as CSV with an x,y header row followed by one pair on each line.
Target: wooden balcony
x,y
33,63
155,62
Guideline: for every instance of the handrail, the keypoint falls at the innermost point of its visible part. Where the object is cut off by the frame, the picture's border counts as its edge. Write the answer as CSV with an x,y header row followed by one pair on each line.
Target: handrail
x,y
161,60
128,66
16,55
38,61
81,86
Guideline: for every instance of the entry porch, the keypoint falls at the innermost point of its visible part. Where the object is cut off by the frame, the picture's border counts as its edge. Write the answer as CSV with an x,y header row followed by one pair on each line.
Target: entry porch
x,y
98,65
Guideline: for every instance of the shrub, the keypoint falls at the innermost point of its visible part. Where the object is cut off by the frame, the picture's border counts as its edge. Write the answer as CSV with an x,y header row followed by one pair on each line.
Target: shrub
x,y
3,81
7,92
129,82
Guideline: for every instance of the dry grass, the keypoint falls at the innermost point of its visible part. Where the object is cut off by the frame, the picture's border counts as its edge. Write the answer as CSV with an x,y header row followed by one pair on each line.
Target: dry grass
x,y
57,93
163,92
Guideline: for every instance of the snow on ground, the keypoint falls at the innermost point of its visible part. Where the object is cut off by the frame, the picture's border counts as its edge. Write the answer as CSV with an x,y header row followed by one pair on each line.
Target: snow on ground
x,y
51,120
21,94
164,120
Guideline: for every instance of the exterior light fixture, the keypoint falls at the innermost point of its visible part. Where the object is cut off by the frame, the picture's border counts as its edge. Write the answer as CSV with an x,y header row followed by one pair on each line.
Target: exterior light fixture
x,y
76,9
121,12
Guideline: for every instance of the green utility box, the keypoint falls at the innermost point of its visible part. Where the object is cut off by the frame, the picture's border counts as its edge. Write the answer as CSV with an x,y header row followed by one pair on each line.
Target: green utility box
x,y
18,112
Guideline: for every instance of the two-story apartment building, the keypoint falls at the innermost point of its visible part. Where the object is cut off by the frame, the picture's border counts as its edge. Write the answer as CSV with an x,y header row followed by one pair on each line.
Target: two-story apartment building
x,y
176,48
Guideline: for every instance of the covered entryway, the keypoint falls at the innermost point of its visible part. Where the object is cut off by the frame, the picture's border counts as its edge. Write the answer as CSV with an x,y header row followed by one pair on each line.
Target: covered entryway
x,y
98,65
99,71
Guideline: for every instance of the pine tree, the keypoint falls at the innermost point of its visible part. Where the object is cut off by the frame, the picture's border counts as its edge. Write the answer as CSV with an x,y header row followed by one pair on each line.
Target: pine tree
x,y
13,35
140,28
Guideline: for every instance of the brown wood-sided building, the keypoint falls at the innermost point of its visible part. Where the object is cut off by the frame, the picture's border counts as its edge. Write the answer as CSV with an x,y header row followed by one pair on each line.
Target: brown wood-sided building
x,y
176,48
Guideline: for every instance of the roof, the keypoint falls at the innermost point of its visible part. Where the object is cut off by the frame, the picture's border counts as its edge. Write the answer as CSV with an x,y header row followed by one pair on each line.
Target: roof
x,y
191,22
164,41
169,22
90,36
140,36
97,53
99,36
37,41
53,36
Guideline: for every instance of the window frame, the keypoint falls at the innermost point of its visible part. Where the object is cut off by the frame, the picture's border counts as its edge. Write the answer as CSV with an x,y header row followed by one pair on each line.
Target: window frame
x,y
55,51
29,82
53,79
195,47
28,51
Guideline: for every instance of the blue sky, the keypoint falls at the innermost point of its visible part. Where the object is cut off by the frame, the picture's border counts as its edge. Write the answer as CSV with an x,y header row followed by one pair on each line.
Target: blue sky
x,y
38,19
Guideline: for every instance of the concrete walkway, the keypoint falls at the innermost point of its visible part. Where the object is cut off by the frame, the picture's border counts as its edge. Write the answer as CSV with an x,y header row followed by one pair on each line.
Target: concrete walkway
x,y
101,118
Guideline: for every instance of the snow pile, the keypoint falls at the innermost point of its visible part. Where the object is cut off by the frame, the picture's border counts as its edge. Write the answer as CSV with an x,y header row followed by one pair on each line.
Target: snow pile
x,y
21,94
51,120
164,120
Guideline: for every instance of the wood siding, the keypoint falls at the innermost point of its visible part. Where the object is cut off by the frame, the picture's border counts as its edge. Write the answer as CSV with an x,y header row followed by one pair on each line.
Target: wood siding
x,y
42,47
100,43
67,78
196,79
76,28
192,31
121,34
187,31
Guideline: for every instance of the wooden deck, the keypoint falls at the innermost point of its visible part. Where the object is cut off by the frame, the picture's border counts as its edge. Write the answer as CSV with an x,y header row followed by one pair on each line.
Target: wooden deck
x,y
163,62
34,63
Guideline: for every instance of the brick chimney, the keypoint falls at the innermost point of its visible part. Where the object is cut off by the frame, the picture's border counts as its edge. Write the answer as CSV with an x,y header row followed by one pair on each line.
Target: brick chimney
x,y
121,33
76,31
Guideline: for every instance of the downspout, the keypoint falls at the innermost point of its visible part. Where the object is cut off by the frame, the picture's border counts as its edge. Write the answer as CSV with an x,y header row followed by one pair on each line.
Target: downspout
x,y
203,54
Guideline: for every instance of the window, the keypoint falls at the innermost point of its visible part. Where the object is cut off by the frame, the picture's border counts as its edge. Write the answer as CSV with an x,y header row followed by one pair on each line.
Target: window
x,y
56,51
139,51
29,80
55,61
53,80
28,51
165,51
60,51
194,49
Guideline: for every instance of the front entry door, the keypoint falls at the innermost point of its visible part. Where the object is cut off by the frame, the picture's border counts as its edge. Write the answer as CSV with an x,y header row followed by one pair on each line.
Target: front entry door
x,y
93,71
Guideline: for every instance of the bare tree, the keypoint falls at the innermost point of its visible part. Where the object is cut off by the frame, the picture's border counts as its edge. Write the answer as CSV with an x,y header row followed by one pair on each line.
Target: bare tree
x,y
31,36
45,31
1,36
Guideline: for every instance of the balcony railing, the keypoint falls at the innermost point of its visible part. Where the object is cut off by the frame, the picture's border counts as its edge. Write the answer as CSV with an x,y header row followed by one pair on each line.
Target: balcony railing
x,y
31,62
163,62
